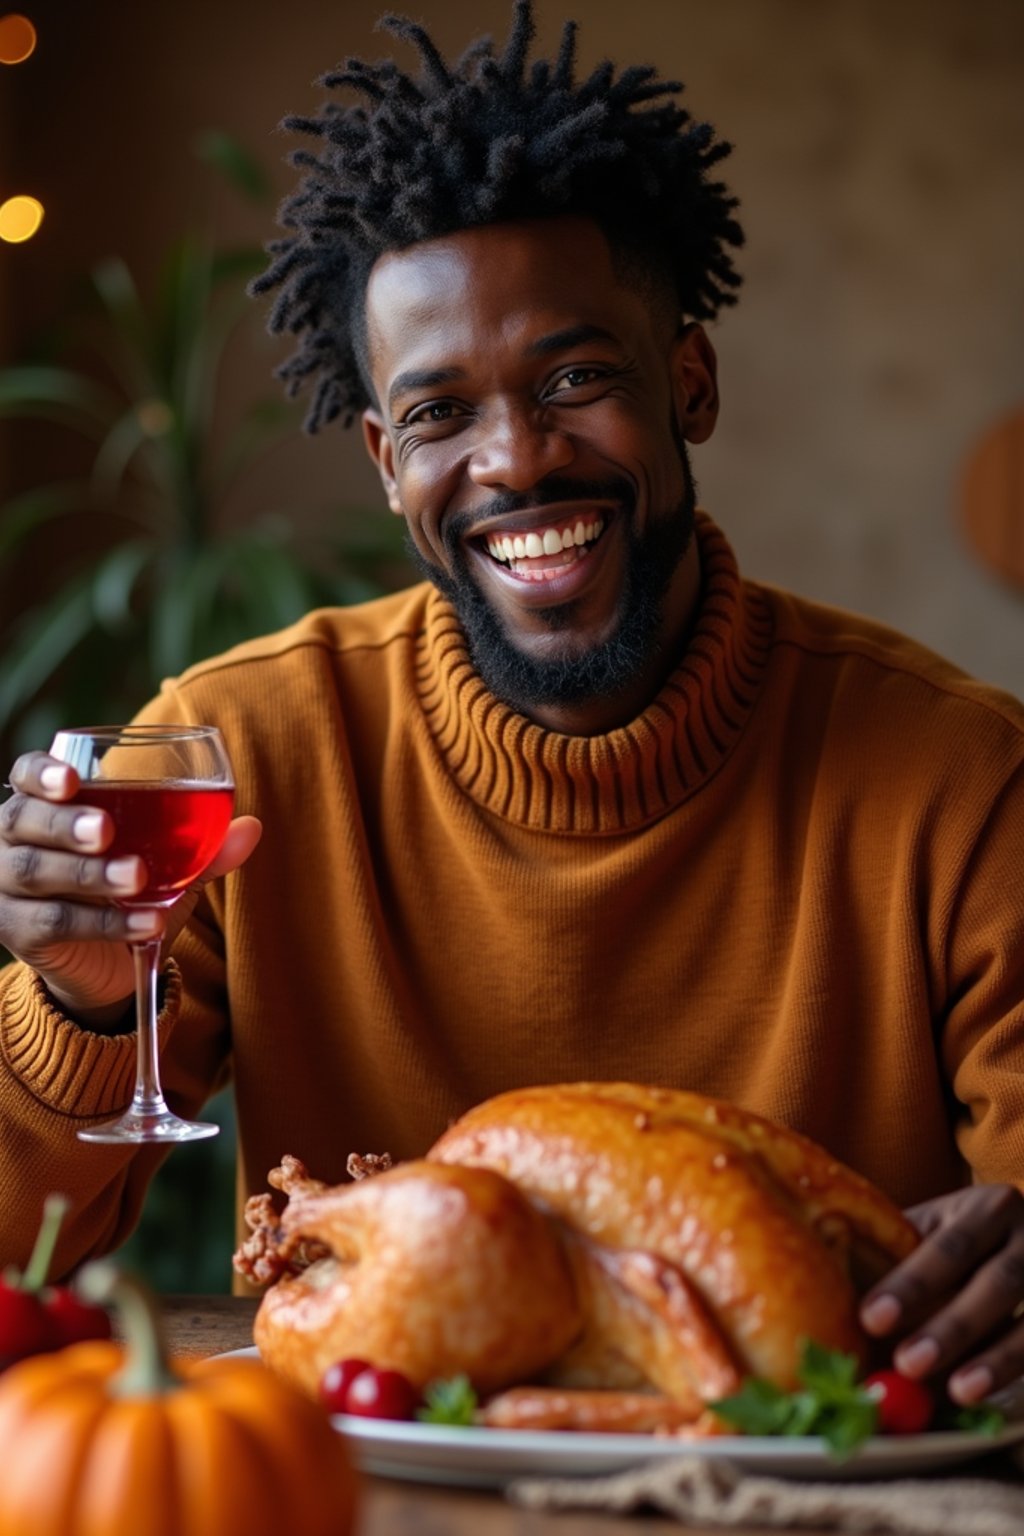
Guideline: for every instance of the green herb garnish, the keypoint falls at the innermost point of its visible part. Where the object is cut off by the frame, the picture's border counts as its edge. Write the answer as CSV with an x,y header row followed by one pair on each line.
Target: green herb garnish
x,y
981,1419
830,1402
449,1402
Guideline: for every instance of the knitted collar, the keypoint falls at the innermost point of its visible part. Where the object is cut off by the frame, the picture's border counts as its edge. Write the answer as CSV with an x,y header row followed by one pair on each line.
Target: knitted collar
x,y
631,776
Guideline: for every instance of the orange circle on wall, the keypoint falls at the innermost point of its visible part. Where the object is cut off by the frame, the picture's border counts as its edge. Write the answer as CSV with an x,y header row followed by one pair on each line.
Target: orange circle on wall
x,y
17,38
992,498
20,217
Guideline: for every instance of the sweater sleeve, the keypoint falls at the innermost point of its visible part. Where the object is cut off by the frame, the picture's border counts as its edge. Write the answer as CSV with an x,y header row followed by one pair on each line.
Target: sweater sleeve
x,y
54,1078
983,1037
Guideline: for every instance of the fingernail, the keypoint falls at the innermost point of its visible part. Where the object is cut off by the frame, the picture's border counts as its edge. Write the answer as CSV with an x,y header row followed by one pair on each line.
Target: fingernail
x,y
53,777
971,1385
123,872
880,1314
917,1359
143,922
87,827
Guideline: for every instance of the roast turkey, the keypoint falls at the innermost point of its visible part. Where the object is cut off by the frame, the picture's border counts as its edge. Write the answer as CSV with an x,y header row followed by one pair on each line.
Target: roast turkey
x,y
595,1254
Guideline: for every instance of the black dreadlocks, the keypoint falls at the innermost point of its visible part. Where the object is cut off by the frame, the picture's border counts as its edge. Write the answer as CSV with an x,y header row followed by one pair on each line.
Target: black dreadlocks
x,y
478,143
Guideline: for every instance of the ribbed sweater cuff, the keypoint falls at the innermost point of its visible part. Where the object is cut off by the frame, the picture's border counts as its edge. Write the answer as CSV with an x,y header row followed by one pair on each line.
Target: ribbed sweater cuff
x,y
70,1069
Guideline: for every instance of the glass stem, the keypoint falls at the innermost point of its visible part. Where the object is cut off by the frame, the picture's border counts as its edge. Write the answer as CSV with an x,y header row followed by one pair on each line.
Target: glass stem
x,y
148,1098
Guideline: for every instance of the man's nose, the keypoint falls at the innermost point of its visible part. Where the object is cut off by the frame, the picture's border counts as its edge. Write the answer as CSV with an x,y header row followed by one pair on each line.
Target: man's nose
x,y
518,448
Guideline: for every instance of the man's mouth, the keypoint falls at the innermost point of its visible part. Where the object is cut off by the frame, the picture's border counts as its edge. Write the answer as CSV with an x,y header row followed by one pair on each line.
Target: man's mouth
x,y
543,553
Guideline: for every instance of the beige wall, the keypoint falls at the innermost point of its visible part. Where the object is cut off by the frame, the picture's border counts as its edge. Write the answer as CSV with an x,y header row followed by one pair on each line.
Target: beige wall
x,y
880,146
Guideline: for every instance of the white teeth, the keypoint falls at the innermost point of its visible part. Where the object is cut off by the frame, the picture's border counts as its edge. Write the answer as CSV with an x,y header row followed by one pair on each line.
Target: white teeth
x,y
549,541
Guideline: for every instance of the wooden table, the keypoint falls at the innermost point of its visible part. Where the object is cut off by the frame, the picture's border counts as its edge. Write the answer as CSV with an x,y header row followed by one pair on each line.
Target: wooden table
x,y
208,1325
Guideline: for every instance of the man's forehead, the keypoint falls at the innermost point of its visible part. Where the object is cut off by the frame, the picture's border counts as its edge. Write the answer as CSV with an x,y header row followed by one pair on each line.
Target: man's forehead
x,y
536,277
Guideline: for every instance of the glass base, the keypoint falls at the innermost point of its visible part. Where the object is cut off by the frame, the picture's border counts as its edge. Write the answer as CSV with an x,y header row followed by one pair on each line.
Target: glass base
x,y
154,1125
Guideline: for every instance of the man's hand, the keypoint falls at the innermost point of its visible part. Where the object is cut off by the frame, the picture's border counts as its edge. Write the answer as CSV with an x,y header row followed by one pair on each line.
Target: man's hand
x,y
58,893
957,1296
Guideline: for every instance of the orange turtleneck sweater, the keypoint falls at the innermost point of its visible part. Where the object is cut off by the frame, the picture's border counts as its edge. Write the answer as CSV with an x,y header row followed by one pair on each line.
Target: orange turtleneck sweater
x,y
793,881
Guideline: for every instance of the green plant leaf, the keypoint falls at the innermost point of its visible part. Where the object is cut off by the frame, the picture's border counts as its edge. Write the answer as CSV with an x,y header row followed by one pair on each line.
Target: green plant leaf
x,y
45,638
235,163
116,452
114,581
23,514
827,1371
829,1402
59,392
449,1402
979,1419
133,350
177,582
276,588
265,423
238,265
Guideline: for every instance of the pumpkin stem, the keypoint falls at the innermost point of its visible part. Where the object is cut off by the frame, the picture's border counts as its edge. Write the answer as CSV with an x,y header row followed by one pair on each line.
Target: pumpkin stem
x,y
147,1369
37,1270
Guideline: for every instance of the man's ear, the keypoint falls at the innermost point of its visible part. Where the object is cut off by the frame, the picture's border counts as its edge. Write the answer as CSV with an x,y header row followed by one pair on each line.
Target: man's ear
x,y
381,450
694,371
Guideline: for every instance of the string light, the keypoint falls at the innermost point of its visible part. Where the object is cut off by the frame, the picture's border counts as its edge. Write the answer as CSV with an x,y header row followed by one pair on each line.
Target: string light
x,y
17,38
20,217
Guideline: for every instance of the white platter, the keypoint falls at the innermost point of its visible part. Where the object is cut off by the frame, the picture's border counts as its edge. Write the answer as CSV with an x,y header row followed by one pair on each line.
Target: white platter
x,y
492,1458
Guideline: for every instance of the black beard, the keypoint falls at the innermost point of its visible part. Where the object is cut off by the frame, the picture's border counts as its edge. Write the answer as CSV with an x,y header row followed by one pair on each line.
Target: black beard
x,y
524,682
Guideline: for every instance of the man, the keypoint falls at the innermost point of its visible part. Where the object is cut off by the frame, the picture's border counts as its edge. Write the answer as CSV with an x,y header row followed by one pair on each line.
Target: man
x,y
586,803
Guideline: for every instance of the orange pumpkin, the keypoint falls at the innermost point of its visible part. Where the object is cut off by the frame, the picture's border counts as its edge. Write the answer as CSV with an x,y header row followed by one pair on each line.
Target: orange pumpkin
x,y
97,1445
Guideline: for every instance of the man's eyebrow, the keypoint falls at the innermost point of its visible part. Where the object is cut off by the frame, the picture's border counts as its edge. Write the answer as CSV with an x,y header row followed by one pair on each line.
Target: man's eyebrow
x,y
572,336
422,378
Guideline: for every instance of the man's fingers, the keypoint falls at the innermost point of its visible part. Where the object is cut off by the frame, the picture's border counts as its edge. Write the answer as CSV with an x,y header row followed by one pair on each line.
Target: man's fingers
x,y
52,824
951,1251
242,836
37,773
30,870
989,1371
975,1313
33,930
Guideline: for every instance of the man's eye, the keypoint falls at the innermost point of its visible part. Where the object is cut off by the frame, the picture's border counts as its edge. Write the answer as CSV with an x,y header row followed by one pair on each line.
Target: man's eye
x,y
436,410
574,378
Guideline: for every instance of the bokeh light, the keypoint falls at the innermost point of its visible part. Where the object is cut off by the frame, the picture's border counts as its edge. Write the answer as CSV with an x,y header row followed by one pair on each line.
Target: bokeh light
x,y
17,38
20,217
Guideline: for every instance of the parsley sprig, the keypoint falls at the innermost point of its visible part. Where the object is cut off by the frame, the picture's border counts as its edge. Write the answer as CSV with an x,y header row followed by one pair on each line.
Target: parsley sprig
x,y
449,1402
829,1402
832,1403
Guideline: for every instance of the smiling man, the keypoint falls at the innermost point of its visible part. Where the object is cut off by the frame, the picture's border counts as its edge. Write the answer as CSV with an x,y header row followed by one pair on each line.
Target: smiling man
x,y
586,803
534,412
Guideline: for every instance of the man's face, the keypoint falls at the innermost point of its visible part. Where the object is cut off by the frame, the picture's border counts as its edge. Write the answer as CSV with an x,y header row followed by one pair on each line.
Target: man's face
x,y
533,408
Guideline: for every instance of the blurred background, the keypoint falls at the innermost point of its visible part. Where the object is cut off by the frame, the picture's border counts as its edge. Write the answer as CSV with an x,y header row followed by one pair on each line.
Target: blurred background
x,y
158,500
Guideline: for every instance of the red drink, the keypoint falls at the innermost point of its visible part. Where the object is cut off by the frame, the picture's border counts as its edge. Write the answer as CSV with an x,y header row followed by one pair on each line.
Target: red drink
x,y
176,829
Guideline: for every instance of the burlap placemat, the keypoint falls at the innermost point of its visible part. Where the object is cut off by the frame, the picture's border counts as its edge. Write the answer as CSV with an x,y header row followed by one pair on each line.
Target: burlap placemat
x,y
699,1491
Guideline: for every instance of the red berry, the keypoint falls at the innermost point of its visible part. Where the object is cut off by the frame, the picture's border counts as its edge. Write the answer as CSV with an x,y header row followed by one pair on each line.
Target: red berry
x,y
905,1406
337,1379
377,1394
25,1328
72,1320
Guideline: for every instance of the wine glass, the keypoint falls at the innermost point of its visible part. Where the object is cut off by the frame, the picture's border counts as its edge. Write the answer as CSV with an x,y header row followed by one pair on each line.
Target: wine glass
x,y
169,792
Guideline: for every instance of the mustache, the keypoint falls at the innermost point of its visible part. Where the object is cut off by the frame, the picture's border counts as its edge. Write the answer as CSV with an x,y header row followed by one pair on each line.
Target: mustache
x,y
614,488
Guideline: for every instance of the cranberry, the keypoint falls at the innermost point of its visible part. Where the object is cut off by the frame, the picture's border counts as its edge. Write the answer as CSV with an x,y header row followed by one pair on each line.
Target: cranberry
x,y
25,1327
905,1406
74,1320
375,1394
337,1379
